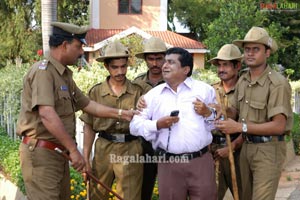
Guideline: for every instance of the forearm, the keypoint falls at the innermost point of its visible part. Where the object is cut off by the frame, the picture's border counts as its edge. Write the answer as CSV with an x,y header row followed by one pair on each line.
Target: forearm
x,y
89,136
237,143
54,125
99,110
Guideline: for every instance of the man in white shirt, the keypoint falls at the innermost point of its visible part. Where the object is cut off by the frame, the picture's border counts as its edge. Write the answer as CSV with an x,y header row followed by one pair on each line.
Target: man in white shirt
x,y
180,138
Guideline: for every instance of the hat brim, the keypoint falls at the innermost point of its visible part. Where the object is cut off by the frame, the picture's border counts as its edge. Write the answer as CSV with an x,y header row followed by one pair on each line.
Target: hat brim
x,y
102,58
215,59
142,54
240,43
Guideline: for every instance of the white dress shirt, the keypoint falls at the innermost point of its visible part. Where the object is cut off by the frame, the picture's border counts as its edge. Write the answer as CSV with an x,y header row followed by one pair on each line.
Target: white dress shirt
x,y
191,133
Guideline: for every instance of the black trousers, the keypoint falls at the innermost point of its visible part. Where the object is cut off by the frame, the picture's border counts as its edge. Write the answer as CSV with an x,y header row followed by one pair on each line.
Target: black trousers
x,y
150,172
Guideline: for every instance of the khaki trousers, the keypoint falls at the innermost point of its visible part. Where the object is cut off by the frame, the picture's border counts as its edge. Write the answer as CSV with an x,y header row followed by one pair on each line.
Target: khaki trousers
x,y
261,166
112,162
224,173
45,172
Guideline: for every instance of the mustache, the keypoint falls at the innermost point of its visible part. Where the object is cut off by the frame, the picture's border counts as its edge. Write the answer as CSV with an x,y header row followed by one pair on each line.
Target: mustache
x,y
120,75
221,73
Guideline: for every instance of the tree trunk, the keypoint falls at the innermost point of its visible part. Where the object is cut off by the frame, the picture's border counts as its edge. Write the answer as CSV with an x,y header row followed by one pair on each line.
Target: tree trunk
x,y
49,14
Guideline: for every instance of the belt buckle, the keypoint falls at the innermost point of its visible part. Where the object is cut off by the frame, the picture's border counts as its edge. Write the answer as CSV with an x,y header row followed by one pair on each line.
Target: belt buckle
x,y
119,137
266,138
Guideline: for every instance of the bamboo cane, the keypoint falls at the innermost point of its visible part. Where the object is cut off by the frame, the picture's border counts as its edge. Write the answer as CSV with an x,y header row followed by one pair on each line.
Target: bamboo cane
x,y
91,176
217,171
223,103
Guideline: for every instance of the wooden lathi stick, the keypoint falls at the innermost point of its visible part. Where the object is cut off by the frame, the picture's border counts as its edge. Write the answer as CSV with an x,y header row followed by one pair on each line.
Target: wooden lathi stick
x,y
91,176
223,103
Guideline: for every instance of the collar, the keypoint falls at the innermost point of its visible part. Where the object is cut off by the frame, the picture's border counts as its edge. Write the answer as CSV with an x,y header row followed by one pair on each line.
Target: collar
x,y
106,90
58,66
262,78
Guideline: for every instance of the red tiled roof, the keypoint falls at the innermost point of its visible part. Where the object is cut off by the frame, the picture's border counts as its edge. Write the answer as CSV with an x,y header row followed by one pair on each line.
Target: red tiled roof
x,y
95,36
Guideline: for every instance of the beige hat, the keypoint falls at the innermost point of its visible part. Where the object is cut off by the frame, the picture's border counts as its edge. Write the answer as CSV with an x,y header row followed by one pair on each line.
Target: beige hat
x,y
114,50
153,45
70,30
258,35
227,52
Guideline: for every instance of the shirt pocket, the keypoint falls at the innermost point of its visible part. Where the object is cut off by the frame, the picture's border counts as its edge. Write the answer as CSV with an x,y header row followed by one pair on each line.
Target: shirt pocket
x,y
257,112
64,103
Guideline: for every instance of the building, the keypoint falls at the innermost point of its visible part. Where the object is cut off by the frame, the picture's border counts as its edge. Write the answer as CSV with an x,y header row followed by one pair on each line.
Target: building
x,y
115,19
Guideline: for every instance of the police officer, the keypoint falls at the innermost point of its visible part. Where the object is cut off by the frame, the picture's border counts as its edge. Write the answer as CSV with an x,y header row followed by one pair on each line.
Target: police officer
x,y
154,56
115,148
50,99
228,63
263,101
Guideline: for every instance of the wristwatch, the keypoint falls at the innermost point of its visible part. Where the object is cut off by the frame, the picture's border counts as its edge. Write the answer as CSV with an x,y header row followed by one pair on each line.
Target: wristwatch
x,y
244,127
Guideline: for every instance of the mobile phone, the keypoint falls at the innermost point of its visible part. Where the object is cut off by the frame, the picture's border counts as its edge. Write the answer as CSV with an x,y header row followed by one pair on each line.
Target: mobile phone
x,y
174,113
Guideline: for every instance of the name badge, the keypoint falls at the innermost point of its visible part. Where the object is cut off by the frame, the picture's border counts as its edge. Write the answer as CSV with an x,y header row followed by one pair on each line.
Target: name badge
x,y
64,88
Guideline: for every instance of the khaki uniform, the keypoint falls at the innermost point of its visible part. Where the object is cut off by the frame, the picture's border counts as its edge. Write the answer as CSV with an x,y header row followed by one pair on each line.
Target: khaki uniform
x,y
150,169
127,175
219,141
144,78
261,162
45,172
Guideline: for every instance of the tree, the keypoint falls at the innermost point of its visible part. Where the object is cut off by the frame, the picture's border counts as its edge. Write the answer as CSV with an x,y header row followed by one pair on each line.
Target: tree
x,y
21,27
18,35
49,14
194,14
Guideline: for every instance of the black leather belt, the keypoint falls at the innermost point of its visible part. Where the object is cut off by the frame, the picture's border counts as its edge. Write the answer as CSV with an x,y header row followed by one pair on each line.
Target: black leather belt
x,y
189,156
262,139
219,139
117,137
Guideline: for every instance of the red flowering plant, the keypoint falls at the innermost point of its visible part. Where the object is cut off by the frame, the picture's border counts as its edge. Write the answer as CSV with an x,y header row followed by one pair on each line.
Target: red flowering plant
x,y
39,55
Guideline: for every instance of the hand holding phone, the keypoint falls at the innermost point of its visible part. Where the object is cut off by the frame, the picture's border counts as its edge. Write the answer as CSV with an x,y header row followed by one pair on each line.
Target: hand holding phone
x,y
174,113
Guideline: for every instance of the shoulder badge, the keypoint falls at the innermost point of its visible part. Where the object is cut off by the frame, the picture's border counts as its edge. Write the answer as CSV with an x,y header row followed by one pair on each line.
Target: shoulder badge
x,y
141,75
43,65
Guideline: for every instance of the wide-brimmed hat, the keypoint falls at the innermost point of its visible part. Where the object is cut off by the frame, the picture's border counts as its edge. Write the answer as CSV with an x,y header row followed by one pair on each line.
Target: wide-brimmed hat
x,y
227,52
153,45
258,35
70,31
114,50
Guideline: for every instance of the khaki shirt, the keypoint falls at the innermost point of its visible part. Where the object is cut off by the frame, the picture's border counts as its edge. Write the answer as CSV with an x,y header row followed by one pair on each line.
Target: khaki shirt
x,y
259,100
49,83
127,100
144,77
228,97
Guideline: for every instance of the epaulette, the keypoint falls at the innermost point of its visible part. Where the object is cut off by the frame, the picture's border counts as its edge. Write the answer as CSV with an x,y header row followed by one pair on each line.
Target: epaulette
x,y
140,75
275,77
216,83
243,71
145,86
43,64
94,87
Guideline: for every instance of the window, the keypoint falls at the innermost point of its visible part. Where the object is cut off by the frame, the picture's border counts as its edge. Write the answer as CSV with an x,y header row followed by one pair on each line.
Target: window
x,y
130,6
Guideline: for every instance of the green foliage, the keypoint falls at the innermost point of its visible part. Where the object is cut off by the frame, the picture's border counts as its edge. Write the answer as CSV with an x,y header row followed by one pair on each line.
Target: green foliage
x,y
18,36
236,18
9,159
195,14
78,187
73,11
11,80
296,133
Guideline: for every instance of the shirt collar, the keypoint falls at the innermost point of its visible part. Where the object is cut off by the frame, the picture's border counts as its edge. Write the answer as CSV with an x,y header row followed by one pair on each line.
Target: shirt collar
x,y
58,66
106,90
262,78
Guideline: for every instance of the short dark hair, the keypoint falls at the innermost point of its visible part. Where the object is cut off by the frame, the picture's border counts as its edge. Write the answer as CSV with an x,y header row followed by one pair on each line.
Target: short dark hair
x,y
185,58
56,40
